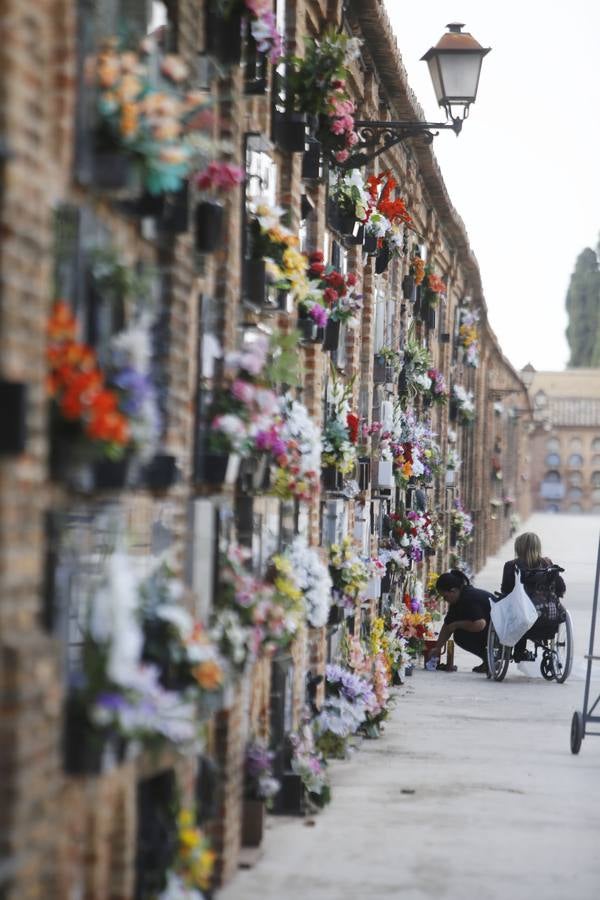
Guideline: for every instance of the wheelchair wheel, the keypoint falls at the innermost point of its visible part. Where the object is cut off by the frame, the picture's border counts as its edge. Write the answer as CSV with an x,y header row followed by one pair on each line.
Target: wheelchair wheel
x,y
562,650
577,732
498,656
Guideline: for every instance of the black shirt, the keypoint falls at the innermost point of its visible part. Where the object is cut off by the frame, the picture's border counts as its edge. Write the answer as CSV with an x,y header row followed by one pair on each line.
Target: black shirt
x,y
508,576
472,604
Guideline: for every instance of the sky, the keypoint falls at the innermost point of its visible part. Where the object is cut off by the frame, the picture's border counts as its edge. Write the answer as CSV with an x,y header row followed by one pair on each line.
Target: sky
x,y
524,174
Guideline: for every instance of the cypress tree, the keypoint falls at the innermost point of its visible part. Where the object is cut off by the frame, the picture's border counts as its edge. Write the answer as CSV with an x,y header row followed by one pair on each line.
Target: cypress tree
x,y
583,308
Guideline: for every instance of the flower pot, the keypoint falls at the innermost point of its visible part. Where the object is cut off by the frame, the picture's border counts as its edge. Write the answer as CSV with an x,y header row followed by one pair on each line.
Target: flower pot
x,y
291,798
253,475
402,383
380,368
310,333
160,473
111,475
408,287
431,318
13,403
340,219
357,238
386,584
453,409
311,160
289,132
364,473
209,217
87,749
223,35
175,215
385,474
336,615
331,479
257,288
220,468
382,261
253,822
112,170
332,335
444,337
285,301
71,460
370,244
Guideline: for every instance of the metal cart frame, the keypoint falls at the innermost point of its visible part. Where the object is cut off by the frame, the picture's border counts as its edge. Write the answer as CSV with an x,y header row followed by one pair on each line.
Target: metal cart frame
x,y
580,720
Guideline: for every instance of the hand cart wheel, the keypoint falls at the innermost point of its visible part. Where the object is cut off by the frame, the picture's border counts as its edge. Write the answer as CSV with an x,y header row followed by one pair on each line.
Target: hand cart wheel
x,y
577,732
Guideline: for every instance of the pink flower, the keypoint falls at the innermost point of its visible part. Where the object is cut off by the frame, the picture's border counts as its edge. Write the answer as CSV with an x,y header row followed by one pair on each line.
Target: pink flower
x,y
242,391
341,156
337,126
352,139
219,176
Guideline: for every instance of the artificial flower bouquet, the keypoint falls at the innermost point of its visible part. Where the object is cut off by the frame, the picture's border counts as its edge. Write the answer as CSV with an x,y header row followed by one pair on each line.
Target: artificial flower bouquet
x,y
338,292
438,390
462,524
308,762
298,465
349,574
259,782
83,404
351,198
347,698
152,118
468,336
464,404
317,85
434,288
388,217
191,871
314,580
274,245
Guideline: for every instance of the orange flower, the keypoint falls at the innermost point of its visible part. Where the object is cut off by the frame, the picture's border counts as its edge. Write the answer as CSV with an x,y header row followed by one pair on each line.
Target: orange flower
x,y
129,119
208,674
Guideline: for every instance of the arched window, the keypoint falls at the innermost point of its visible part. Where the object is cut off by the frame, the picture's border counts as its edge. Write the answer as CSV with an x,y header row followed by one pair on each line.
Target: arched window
x,y
553,476
575,478
575,460
553,444
596,444
575,443
596,479
553,459
575,493
575,508
596,460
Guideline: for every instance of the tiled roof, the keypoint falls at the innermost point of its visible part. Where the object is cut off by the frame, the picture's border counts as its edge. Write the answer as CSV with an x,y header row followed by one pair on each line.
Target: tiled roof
x,y
573,411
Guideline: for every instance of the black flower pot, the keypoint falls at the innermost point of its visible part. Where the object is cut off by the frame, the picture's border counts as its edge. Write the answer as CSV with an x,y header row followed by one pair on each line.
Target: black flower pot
x,y
386,584
257,284
370,244
336,615
161,472
175,215
382,260
453,409
332,336
444,337
402,383
147,206
13,403
408,287
220,468
431,318
223,35
310,333
364,473
87,749
379,370
111,475
256,74
358,238
291,798
311,160
253,822
112,170
331,479
290,132
209,217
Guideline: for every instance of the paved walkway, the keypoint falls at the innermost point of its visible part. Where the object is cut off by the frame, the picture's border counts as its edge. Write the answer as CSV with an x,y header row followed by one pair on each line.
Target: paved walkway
x,y
471,794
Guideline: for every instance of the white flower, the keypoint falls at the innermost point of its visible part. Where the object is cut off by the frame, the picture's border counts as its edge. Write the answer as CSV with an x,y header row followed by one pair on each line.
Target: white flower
x,y
177,616
114,620
312,576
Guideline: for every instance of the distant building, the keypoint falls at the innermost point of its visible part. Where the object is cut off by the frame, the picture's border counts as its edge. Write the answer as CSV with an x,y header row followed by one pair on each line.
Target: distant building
x,y
565,447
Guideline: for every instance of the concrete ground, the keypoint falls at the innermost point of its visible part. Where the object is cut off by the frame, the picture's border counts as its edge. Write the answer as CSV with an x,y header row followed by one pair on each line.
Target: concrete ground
x,y
472,793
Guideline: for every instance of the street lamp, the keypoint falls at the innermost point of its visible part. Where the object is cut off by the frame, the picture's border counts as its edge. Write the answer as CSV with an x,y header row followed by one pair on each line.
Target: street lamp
x,y
454,66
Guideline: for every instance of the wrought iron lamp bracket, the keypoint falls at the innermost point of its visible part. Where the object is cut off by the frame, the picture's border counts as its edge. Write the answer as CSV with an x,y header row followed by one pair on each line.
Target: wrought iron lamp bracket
x,y
377,137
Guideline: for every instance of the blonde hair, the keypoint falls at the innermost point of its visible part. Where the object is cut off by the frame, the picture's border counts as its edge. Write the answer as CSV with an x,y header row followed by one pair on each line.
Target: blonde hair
x,y
528,548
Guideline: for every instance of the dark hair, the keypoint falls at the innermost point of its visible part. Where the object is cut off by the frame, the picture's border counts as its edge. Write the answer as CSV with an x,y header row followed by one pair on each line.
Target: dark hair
x,y
452,579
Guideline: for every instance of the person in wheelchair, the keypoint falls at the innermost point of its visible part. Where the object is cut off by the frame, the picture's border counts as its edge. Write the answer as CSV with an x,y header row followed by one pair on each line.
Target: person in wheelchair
x,y
543,584
467,619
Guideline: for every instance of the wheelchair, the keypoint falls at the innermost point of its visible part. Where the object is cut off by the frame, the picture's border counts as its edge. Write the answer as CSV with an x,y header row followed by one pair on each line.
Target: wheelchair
x,y
554,642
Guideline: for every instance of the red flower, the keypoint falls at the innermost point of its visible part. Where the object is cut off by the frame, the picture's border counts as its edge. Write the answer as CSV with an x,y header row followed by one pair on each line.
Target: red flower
x,y
330,295
352,421
351,279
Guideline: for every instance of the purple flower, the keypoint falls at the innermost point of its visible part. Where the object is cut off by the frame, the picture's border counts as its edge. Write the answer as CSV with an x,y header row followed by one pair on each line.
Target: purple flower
x,y
319,315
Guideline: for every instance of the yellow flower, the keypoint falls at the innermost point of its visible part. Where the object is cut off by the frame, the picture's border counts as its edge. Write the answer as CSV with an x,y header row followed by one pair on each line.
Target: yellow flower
x,y
185,818
189,838
294,261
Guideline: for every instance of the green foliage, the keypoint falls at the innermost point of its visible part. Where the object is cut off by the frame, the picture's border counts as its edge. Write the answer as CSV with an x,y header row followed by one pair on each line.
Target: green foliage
x,y
285,365
583,308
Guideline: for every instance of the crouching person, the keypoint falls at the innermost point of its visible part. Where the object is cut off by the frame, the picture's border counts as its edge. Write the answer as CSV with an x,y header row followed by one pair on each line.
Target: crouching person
x,y
468,616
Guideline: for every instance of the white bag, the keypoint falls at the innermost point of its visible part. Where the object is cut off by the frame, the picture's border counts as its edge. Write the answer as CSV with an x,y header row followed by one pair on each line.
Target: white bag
x,y
513,615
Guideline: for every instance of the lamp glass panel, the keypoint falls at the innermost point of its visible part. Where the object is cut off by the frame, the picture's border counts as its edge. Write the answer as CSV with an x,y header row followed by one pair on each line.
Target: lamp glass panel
x,y
436,78
459,75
